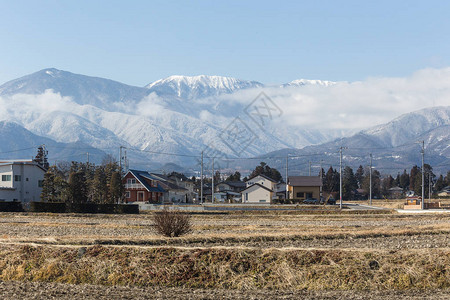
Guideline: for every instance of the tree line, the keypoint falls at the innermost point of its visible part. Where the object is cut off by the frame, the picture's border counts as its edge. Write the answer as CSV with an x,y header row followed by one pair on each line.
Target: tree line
x,y
78,183
352,181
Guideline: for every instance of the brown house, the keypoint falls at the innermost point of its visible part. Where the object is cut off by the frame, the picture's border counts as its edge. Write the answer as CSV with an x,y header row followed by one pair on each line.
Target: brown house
x,y
304,187
140,186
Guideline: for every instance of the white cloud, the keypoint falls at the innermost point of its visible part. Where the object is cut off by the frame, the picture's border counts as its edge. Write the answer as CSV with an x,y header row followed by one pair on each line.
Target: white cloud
x,y
24,107
355,105
150,106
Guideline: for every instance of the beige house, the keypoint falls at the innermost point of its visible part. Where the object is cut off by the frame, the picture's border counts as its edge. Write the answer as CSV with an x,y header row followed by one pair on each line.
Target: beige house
x,y
304,187
257,193
260,189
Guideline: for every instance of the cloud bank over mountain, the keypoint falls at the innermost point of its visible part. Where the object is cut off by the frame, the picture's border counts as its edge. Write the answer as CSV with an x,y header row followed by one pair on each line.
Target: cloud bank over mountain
x,y
185,115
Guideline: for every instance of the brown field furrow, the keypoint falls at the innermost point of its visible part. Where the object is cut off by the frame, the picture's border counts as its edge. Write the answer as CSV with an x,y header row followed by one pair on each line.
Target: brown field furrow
x,y
254,255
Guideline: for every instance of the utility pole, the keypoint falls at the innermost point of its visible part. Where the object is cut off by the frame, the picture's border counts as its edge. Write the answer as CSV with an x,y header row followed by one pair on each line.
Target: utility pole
x,y
87,153
340,176
126,160
429,186
423,175
201,182
120,160
309,168
287,187
212,185
321,179
370,181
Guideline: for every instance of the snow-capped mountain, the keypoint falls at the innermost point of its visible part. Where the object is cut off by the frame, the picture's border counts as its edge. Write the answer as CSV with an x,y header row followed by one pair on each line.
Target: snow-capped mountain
x,y
82,89
178,115
20,143
409,126
393,145
202,86
174,119
306,82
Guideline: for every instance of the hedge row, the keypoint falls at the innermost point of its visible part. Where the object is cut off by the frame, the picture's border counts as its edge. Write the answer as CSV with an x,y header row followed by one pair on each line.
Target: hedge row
x,y
89,208
11,206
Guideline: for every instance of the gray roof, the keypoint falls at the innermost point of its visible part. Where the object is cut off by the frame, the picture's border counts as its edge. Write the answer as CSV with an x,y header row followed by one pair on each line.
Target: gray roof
x,y
236,184
263,176
259,185
304,181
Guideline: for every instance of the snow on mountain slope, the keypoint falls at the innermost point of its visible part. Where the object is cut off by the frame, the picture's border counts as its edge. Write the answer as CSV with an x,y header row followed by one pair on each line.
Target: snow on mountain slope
x,y
305,82
393,145
69,107
82,89
68,127
196,87
408,126
20,143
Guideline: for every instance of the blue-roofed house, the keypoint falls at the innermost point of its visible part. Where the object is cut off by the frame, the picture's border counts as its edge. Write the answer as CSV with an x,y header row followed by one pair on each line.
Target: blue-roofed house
x,y
141,186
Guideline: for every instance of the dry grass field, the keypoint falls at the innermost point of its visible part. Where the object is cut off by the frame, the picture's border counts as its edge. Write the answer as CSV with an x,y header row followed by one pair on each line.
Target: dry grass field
x,y
251,255
395,203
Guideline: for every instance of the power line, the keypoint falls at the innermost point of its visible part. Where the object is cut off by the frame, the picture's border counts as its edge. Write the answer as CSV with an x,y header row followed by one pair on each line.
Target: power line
x,y
18,150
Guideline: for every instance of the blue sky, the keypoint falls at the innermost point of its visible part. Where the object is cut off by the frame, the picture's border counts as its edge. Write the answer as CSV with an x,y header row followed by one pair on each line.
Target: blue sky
x,y
137,42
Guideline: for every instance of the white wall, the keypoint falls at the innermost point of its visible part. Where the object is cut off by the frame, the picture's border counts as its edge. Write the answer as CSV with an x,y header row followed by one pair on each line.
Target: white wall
x,y
25,190
262,181
256,194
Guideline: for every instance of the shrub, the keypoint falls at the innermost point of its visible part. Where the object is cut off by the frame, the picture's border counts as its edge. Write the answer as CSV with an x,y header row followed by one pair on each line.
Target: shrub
x,y
172,223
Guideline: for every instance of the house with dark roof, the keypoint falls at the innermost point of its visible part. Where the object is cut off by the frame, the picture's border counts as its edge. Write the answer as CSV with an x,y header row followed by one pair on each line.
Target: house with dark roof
x,y
141,186
182,181
304,187
231,186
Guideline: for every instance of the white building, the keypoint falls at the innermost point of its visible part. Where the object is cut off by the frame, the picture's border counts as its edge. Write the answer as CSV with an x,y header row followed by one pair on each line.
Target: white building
x,y
20,181
260,189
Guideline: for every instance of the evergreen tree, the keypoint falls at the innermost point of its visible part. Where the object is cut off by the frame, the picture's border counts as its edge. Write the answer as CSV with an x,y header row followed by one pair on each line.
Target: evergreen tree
x,y
264,169
234,177
41,158
413,179
48,193
77,187
360,176
418,180
54,187
397,180
116,188
331,181
349,183
440,183
98,188
376,182
404,180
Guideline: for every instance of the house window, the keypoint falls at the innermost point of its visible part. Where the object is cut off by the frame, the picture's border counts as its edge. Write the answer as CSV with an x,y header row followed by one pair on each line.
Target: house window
x,y
131,180
262,201
6,177
300,195
40,183
17,178
246,197
127,194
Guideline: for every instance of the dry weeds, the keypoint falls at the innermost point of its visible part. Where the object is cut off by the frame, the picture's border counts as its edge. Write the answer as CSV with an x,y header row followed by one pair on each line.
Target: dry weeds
x,y
277,251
